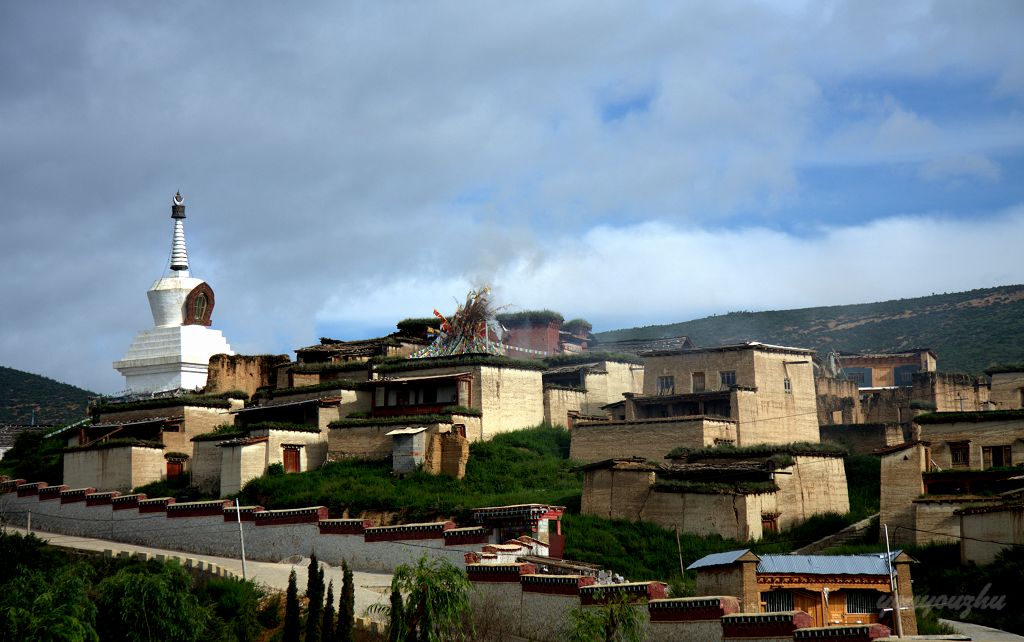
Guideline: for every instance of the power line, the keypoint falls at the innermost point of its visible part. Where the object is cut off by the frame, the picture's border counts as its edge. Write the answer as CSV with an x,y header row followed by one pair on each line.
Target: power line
x,y
961,536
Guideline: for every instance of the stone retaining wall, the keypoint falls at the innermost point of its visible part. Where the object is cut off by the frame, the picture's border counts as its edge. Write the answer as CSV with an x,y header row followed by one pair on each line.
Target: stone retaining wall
x,y
210,528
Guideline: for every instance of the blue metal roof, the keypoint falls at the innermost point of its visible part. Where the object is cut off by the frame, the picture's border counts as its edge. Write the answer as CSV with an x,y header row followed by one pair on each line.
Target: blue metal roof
x,y
868,564
718,559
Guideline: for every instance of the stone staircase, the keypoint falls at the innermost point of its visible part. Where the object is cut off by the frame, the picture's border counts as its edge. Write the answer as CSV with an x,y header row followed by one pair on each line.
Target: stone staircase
x,y
852,533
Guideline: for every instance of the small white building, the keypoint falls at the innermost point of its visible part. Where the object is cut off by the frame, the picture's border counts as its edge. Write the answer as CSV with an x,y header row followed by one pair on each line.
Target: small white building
x,y
176,352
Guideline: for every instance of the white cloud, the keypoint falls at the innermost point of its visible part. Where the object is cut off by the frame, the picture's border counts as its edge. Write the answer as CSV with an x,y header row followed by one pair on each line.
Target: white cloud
x,y
953,168
659,272
330,157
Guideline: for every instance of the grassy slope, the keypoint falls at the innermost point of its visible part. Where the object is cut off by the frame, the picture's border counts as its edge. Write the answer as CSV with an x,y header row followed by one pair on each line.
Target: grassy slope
x,y
968,330
519,467
532,466
55,402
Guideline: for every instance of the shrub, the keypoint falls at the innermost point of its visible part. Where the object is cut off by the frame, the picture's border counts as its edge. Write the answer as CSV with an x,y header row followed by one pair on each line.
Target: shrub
x,y
204,401
590,357
35,458
518,467
529,318
117,442
579,326
438,600
269,613
494,361
147,603
416,327
234,394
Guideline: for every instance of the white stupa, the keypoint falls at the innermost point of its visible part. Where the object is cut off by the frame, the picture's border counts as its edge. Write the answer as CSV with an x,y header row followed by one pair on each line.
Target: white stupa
x,y
175,353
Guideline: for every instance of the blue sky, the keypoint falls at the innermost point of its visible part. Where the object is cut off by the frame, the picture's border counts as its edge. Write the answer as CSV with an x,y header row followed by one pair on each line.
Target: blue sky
x,y
348,165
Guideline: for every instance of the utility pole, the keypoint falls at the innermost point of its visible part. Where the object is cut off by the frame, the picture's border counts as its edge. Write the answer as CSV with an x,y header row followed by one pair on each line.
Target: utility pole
x,y
897,617
679,549
241,537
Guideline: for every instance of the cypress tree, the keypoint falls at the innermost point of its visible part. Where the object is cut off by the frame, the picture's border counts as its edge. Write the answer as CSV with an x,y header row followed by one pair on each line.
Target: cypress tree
x,y
291,611
396,620
327,629
346,605
315,593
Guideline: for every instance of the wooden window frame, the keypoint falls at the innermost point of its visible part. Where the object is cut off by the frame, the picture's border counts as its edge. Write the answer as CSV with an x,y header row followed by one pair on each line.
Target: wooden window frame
x,y
960,447
666,385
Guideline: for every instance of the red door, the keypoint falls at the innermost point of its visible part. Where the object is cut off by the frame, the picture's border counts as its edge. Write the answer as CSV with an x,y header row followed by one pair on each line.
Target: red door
x,y
174,469
291,460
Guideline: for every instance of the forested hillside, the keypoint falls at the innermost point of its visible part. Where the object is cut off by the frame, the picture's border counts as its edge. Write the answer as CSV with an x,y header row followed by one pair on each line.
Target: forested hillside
x,y
54,402
968,330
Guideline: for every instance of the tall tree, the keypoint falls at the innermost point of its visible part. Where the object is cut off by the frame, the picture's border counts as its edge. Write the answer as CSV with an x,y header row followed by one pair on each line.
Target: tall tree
x,y
291,611
327,628
48,608
139,605
438,601
346,605
396,617
315,593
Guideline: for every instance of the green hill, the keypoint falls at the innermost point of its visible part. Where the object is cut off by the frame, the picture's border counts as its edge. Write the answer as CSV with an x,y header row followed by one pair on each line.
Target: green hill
x,y
969,331
54,402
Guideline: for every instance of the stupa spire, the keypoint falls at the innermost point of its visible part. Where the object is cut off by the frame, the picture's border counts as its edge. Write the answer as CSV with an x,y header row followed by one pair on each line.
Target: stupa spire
x,y
179,255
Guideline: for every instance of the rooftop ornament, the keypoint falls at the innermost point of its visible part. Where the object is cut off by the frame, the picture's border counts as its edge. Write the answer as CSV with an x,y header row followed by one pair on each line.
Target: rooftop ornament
x,y
179,255
468,331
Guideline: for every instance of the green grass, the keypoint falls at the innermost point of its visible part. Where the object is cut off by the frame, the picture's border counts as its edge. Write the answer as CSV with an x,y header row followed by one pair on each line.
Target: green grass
x,y
203,401
759,450
863,482
637,550
532,466
526,466
25,396
180,489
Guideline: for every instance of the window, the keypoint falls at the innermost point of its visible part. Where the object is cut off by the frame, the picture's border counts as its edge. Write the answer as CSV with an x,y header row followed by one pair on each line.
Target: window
x,y
903,375
724,442
776,601
960,454
995,456
861,376
862,601
667,385
199,307
728,378
787,385
770,522
698,381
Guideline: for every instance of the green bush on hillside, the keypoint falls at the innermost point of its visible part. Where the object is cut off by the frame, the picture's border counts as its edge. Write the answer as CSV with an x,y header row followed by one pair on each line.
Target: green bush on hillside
x,y
35,458
526,466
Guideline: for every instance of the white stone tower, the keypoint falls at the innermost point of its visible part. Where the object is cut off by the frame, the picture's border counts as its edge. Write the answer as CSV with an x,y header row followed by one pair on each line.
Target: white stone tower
x,y
176,352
